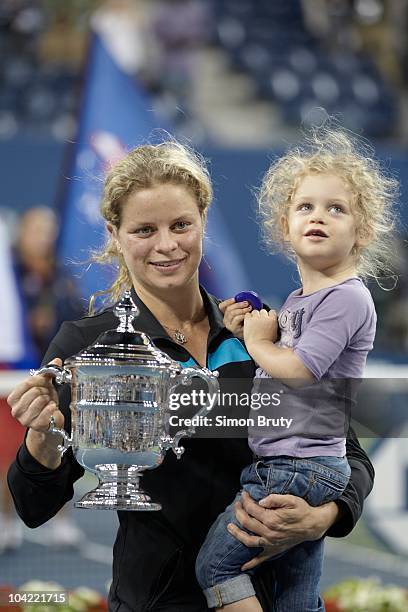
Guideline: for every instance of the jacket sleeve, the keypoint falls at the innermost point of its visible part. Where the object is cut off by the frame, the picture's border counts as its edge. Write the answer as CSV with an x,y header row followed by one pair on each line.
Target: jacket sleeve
x,y
360,484
39,493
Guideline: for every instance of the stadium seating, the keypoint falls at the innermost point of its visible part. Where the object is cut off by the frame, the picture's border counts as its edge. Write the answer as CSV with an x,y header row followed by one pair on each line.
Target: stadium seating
x,y
269,41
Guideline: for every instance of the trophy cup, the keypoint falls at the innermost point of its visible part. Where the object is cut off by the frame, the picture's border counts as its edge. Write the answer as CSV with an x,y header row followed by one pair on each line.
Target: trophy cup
x,y
120,390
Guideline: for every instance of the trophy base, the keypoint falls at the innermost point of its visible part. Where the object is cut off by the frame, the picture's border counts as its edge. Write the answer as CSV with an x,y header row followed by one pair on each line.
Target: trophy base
x,y
119,497
118,490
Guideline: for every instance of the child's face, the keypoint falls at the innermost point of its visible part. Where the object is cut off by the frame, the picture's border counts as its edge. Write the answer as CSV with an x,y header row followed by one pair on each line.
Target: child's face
x,y
320,223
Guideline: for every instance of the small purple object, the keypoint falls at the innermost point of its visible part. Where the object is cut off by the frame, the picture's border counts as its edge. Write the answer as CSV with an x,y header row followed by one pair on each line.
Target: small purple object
x,y
251,297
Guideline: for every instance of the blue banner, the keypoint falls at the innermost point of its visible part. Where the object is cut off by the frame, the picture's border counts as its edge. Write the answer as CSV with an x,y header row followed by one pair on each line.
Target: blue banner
x,y
116,115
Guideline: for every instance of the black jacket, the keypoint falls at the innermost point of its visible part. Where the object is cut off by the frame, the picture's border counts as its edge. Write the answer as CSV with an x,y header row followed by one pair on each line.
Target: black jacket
x,y
154,552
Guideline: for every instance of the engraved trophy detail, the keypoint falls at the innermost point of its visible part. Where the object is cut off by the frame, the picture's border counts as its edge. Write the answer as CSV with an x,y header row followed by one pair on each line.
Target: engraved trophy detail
x,y
120,391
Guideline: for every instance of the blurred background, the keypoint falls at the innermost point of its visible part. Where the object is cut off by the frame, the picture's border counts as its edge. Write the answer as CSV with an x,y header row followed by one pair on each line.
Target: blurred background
x,y
83,81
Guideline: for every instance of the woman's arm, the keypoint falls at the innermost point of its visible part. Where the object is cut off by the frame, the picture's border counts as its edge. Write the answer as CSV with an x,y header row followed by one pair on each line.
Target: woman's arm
x,y
360,484
282,521
39,493
40,483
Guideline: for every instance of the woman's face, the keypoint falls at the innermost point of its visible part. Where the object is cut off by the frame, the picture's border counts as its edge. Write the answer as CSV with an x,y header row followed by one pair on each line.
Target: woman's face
x,y
160,236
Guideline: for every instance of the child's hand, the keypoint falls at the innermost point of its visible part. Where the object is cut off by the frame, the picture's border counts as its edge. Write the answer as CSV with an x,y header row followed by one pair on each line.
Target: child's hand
x,y
260,325
234,313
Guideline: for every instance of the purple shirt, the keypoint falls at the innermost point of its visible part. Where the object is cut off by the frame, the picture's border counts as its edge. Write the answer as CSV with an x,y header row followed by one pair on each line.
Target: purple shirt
x,y
331,331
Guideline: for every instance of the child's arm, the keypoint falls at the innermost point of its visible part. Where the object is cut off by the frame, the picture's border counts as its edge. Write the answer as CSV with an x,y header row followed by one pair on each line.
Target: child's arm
x,y
260,334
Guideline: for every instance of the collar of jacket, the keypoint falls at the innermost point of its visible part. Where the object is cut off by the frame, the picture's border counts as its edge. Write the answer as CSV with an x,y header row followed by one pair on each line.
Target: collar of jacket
x,y
154,329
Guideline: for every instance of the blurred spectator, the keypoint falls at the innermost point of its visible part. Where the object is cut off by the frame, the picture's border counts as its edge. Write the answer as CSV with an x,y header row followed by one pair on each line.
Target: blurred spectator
x,y
48,292
181,28
396,317
64,40
121,25
392,305
398,14
396,325
332,22
49,296
376,26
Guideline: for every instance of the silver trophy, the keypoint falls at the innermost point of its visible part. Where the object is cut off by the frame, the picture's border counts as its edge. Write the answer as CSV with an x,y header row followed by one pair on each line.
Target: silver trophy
x,y
120,391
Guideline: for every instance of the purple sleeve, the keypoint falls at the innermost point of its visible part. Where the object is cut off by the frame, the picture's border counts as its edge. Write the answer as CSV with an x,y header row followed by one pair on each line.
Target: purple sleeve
x,y
335,323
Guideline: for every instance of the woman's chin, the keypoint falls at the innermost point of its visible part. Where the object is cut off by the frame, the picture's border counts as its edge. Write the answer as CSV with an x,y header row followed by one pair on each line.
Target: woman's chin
x,y
174,281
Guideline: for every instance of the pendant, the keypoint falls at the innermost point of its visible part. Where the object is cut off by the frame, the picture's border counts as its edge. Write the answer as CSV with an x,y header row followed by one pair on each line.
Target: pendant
x,y
179,336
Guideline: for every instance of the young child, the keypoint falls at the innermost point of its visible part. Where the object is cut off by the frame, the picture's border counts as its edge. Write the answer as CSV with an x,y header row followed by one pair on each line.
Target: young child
x,y
330,207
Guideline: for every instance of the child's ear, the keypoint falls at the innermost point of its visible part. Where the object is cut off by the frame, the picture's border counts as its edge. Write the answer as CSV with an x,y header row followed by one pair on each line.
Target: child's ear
x,y
283,222
364,236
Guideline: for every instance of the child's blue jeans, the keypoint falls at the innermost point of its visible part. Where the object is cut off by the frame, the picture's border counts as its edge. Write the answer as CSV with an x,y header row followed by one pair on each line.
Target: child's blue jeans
x,y
296,573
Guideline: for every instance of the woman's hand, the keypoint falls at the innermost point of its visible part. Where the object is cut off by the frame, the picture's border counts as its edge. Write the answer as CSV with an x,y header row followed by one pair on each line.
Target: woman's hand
x,y
234,313
280,522
33,402
259,326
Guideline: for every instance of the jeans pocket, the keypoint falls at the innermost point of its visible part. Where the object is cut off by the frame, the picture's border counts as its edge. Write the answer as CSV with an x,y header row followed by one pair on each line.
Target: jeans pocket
x,y
324,488
262,472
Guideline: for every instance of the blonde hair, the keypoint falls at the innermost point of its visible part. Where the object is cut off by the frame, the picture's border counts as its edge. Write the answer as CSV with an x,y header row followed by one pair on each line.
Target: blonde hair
x,y
144,167
333,151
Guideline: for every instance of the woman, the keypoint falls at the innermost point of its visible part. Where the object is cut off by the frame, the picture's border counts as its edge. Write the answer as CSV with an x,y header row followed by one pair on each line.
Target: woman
x,y
155,203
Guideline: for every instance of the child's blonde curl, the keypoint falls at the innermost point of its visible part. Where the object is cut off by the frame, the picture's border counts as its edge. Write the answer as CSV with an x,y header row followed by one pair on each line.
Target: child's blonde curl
x,y
333,151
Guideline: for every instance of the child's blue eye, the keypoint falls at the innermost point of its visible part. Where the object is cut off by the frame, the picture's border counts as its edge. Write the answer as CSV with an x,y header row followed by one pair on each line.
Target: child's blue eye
x,y
304,206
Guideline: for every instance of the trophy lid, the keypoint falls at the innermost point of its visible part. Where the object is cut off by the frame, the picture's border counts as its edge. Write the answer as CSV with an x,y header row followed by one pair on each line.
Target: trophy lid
x,y
123,344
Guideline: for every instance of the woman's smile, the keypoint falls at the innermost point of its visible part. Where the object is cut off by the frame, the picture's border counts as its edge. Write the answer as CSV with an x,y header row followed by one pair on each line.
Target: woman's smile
x,y
168,266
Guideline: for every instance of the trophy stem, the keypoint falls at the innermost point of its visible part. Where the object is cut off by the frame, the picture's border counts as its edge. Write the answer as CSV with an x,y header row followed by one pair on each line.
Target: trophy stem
x,y
118,489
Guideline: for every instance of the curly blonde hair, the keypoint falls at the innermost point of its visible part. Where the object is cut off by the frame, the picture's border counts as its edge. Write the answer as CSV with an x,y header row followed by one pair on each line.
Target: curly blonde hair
x,y
143,167
334,151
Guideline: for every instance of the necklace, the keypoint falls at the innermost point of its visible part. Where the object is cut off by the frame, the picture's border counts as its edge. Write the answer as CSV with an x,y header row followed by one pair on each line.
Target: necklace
x,y
178,335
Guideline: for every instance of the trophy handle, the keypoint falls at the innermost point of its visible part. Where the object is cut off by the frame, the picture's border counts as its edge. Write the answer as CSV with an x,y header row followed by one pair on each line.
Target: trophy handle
x,y
185,377
60,375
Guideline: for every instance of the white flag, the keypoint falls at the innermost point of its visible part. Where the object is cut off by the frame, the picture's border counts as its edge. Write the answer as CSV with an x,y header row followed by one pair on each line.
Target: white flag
x,y
11,332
